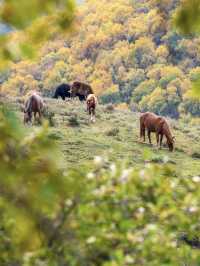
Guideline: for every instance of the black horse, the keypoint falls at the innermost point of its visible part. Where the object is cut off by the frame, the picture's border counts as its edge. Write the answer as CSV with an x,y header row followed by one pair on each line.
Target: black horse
x,y
63,91
81,97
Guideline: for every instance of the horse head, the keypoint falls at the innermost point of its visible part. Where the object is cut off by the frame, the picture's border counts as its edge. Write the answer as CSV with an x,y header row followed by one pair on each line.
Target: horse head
x,y
170,143
27,117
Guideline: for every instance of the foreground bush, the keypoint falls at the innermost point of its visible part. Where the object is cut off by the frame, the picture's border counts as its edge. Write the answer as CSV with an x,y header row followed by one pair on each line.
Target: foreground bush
x,y
108,215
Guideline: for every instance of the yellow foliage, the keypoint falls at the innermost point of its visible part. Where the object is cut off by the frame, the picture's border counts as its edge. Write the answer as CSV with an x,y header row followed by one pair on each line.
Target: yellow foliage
x,y
122,106
19,85
135,27
171,70
162,51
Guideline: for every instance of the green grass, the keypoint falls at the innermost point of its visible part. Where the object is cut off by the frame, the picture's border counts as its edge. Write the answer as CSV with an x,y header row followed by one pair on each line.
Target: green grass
x,y
116,135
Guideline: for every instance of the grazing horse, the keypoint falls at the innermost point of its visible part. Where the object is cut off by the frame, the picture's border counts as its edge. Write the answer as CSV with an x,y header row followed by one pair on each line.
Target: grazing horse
x,y
157,124
81,90
91,102
34,104
62,91
81,97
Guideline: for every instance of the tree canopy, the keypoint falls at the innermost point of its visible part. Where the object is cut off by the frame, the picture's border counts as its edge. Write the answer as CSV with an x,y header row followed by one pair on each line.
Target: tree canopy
x,y
115,49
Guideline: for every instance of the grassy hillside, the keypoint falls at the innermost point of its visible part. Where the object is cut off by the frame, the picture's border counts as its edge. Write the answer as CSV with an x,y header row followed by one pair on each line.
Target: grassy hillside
x,y
123,198
115,135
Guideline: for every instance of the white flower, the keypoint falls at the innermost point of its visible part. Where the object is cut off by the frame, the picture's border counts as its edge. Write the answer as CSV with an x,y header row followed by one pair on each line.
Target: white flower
x,y
96,192
28,256
68,203
151,227
142,173
129,259
141,210
65,173
98,160
140,239
113,226
99,191
196,179
113,169
165,159
90,176
173,184
91,240
125,175
148,166
193,209
174,244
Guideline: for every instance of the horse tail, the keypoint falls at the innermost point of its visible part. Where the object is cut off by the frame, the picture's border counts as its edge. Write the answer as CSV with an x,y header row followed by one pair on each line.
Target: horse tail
x,y
28,106
42,105
141,126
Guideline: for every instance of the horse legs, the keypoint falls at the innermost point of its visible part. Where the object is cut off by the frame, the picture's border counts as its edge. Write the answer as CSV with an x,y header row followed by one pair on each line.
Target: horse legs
x,y
40,117
157,139
161,139
92,115
142,132
35,114
30,117
149,136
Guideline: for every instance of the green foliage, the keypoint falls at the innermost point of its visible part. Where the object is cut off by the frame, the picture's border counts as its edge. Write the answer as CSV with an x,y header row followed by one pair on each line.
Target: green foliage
x,y
38,21
20,15
143,89
103,212
188,18
73,120
191,106
111,98
112,132
33,188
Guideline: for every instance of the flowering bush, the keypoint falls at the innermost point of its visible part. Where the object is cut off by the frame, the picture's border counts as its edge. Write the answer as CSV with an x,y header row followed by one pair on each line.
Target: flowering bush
x,y
101,214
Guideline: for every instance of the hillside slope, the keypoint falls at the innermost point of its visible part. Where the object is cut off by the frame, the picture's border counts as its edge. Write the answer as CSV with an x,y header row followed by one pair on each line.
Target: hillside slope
x,y
115,136
127,203
127,50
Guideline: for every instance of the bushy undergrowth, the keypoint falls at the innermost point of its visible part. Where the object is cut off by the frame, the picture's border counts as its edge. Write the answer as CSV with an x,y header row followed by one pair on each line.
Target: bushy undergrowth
x,y
103,213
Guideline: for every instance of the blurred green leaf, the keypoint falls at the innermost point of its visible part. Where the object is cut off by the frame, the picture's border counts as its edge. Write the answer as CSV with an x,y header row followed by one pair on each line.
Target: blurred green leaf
x,y
35,21
187,19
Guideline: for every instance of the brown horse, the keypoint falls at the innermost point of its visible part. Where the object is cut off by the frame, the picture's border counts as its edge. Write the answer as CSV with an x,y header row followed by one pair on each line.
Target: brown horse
x,y
157,124
34,104
80,89
91,102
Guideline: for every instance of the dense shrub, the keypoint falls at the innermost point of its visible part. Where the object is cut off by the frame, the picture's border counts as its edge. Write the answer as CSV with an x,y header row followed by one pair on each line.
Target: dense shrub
x,y
100,214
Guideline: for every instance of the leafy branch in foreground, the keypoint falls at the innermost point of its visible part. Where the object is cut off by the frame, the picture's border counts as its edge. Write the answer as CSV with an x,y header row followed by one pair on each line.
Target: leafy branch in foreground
x,y
33,22
187,18
187,21
32,187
